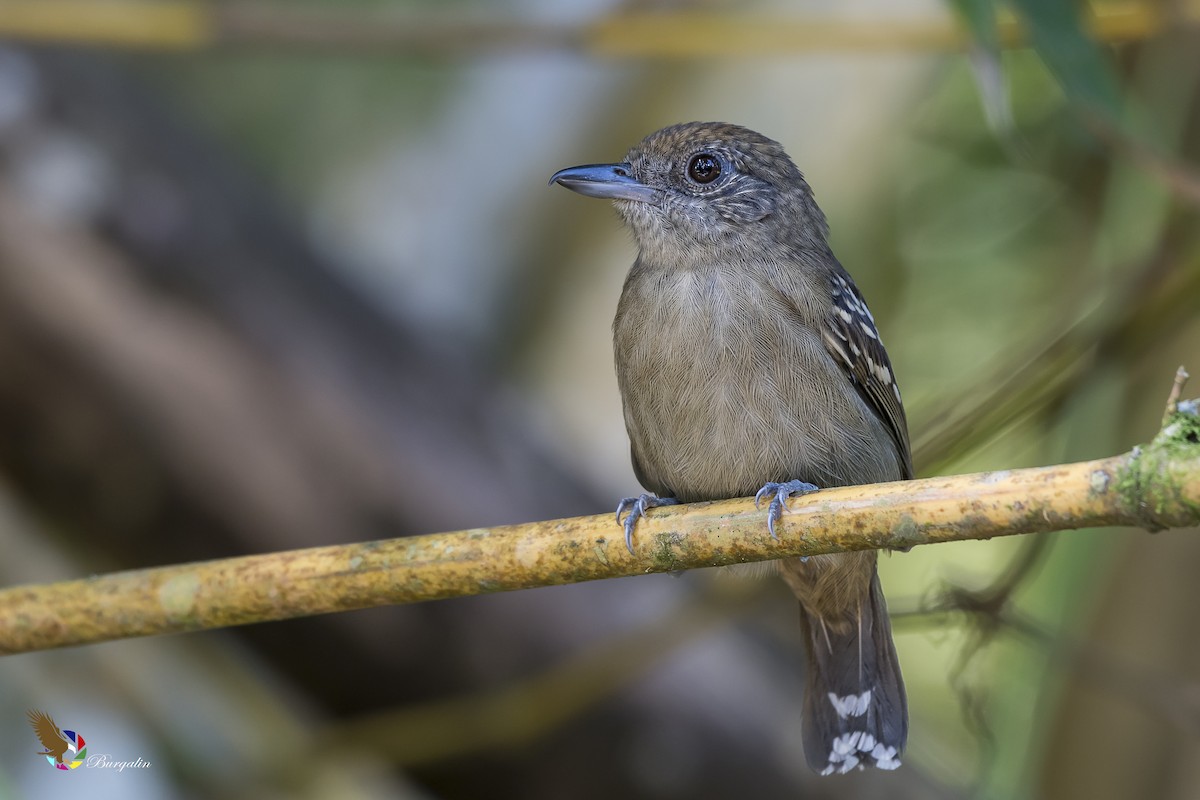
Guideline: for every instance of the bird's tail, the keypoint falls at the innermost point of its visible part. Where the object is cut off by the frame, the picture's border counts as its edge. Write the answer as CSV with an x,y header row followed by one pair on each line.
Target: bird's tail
x,y
855,710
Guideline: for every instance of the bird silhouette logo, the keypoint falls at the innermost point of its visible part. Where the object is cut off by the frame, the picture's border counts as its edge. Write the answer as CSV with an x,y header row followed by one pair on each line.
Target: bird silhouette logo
x,y
65,750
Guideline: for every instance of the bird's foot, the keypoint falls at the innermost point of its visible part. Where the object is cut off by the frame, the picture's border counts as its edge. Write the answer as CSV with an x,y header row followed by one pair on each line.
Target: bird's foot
x,y
781,492
637,508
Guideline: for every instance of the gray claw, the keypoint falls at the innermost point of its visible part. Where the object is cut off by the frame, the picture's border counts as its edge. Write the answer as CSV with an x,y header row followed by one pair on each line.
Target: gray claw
x,y
781,492
623,506
774,514
765,490
637,508
630,521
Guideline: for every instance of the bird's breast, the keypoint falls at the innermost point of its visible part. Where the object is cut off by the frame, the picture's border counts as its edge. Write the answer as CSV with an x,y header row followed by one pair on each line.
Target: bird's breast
x,y
725,385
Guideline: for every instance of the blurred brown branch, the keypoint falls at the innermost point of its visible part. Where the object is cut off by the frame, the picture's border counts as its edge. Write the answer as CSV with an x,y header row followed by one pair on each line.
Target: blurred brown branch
x,y
1153,487
1181,178
523,710
186,25
1173,699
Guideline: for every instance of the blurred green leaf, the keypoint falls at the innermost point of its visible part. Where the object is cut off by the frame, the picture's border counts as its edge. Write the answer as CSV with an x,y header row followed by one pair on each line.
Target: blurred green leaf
x,y
980,17
1056,32
1080,65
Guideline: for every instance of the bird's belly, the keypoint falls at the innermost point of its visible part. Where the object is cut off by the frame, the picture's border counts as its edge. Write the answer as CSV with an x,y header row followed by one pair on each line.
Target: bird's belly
x,y
717,398
721,439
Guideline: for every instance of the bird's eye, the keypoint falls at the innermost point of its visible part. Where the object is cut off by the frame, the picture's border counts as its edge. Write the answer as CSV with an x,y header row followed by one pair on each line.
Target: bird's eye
x,y
704,168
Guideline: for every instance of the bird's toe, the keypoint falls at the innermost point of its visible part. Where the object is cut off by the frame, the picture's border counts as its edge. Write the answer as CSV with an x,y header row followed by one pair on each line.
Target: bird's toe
x,y
637,508
779,493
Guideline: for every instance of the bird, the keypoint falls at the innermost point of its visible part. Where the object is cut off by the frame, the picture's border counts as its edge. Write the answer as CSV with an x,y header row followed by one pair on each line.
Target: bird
x,y
49,735
749,365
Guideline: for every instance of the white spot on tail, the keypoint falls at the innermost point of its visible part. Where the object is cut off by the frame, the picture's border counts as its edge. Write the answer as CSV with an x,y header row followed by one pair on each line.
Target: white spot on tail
x,y
885,757
845,753
852,705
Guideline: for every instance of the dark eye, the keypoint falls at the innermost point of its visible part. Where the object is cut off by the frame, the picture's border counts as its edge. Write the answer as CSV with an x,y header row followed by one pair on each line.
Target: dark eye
x,y
704,168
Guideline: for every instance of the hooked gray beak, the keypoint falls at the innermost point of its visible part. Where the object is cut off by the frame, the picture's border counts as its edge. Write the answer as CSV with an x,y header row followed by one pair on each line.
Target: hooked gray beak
x,y
611,181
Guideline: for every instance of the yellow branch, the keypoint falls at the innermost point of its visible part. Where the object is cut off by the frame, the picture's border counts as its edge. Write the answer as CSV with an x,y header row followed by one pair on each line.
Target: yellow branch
x,y
1158,487
162,24
194,24
691,34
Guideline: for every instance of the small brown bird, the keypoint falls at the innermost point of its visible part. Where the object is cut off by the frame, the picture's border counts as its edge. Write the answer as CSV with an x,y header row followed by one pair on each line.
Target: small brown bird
x,y
49,735
749,364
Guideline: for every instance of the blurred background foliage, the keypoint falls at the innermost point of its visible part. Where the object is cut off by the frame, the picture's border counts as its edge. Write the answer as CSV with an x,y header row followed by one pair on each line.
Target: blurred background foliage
x,y
282,274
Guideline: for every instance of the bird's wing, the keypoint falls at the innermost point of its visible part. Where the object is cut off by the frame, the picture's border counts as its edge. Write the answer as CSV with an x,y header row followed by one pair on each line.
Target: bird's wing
x,y
854,342
47,732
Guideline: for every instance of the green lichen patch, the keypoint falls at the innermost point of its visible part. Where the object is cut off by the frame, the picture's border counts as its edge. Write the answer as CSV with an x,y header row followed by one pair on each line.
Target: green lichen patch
x,y
177,596
1099,482
905,533
1154,483
668,547
1181,434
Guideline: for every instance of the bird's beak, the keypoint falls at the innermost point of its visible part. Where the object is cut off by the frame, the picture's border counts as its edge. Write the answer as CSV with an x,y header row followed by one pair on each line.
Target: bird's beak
x,y
611,181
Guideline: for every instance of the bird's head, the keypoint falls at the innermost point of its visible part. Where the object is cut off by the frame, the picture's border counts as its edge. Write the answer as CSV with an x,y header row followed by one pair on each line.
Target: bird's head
x,y
704,190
